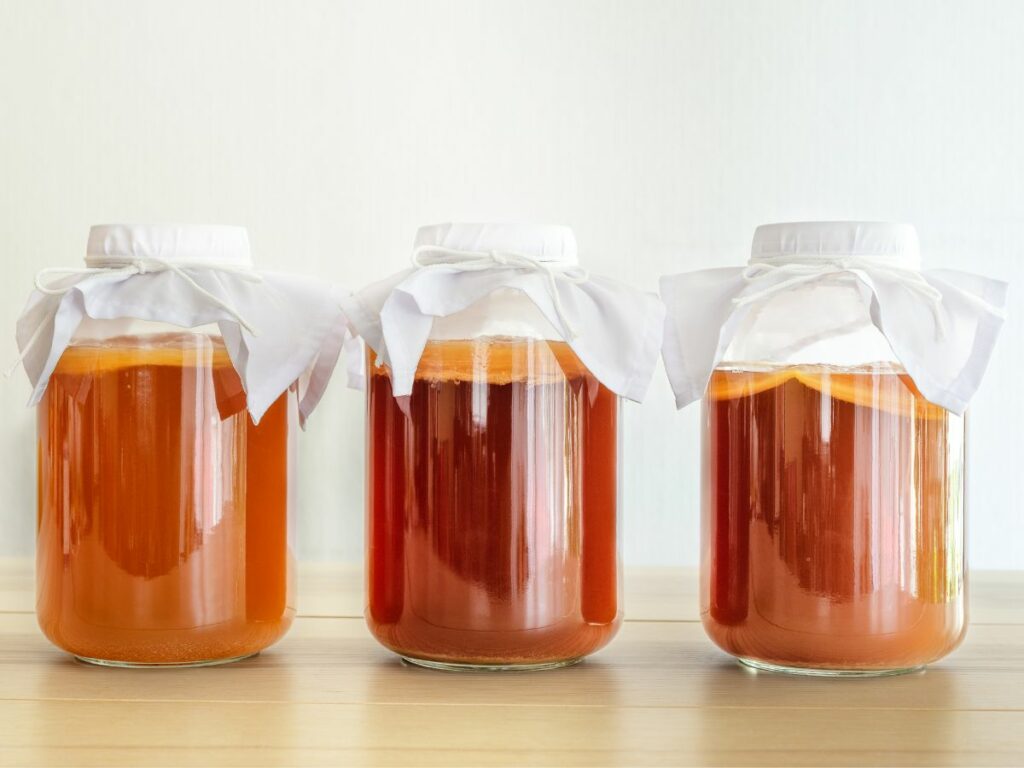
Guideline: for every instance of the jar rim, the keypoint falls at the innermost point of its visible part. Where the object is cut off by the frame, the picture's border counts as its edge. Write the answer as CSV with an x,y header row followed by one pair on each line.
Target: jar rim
x,y
893,244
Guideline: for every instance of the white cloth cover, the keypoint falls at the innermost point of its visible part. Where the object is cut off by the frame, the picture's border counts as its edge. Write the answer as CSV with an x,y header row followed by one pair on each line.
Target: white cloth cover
x,y
941,324
278,328
614,330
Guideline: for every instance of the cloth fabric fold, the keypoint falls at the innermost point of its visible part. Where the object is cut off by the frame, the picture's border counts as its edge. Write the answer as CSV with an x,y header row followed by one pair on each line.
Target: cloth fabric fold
x,y
942,325
614,330
278,328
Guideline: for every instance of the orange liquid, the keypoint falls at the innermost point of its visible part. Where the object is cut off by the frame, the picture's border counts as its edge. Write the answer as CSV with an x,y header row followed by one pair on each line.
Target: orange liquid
x,y
833,519
163,511
492,507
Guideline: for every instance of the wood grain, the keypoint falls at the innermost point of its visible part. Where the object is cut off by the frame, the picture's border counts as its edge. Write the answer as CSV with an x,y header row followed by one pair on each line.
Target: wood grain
x,y
660,694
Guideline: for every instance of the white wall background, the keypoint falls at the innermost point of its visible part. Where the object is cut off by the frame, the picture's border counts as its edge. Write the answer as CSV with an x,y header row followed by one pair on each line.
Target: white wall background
x,y
663,132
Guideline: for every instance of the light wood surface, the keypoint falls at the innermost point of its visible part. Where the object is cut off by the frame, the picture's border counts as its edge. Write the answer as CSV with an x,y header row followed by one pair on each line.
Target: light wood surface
x,y
661,694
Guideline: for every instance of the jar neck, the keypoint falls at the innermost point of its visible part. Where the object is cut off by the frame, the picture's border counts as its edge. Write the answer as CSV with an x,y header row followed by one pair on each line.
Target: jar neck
x,y
817,323
505,312
91,329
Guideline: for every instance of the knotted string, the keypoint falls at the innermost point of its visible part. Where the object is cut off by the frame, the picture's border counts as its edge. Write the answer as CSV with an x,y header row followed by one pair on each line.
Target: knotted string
x,y
137,267
810,270
427,256
150,265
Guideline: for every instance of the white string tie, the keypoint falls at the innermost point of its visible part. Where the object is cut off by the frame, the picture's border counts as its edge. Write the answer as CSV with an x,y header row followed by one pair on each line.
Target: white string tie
x,y
148,266
814,269
137,267
427,256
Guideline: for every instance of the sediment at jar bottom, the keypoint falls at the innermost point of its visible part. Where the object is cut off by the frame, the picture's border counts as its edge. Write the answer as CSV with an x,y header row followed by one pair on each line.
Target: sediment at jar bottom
x,y
936,633
547,645
196,645
492,507
833,512
163,510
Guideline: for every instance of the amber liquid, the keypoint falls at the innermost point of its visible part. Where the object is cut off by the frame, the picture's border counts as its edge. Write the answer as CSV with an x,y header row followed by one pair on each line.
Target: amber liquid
x,y
492,507
833,519
163,511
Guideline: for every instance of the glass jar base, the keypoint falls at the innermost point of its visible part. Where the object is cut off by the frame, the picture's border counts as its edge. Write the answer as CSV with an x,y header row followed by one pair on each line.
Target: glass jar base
x,y
452,666
163,665
764,666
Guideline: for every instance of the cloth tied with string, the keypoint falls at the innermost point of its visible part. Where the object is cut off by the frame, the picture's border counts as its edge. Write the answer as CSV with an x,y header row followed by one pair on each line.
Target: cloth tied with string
x,y
940,324
278,329
614,330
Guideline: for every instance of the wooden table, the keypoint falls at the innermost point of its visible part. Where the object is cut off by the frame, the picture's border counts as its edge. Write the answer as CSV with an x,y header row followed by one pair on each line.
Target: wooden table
x,y
659,695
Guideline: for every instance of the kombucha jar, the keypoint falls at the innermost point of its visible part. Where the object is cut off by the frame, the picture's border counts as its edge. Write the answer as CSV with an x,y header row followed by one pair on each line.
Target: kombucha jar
x,y
165,493
834,450
494,499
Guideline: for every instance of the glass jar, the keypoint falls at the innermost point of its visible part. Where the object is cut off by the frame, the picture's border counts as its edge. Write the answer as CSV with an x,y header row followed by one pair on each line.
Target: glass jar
x,y
493,497
164,511
833,493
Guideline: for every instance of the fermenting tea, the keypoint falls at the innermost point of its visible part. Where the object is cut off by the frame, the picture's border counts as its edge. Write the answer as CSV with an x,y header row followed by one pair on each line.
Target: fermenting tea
x,y
492,506
833,518
163,510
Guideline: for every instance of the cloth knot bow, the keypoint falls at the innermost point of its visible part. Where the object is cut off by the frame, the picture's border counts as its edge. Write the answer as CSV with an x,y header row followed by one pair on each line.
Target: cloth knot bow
x,y
797,271
431,256
145,266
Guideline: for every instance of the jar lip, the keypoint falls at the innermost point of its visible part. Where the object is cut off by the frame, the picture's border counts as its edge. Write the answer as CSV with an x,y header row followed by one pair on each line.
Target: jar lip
x,y
893,244
553,243
112,245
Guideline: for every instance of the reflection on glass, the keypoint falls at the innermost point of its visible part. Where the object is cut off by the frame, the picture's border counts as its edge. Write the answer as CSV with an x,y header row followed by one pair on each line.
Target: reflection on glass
x,y
163,511
492,503
833,519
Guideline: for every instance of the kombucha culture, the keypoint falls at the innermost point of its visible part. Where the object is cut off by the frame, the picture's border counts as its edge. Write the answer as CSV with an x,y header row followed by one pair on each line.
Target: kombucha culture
x,y
833,519
493,507
163,510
